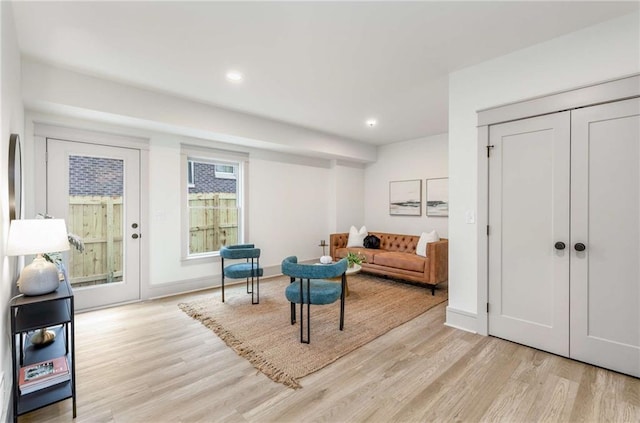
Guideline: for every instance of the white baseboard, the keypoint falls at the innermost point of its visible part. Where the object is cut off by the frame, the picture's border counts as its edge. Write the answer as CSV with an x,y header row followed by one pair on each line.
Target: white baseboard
x,y
199,284
461,319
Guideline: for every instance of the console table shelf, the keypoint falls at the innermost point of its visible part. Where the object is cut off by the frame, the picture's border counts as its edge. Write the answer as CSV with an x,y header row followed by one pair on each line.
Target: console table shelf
x,y
30,314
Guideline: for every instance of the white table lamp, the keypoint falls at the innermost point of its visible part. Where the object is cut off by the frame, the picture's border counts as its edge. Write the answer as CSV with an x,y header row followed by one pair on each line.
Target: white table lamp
x,y
37,236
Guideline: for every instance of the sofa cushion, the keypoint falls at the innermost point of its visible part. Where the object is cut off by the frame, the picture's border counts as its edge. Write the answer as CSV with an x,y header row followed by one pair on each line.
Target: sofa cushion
x,y
356,237
426,238
400,261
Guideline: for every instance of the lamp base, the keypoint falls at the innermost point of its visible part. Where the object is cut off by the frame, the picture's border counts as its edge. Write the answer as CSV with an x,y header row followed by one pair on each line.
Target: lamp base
x,y
42,338
38,278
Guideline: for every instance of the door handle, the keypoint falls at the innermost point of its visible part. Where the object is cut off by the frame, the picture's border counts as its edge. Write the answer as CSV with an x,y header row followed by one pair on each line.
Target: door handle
x,y
580,246
135,236
560,245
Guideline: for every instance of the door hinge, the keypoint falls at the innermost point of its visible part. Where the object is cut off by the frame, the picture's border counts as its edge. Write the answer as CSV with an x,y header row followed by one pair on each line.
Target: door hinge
x,y
487,307
489,147
487,230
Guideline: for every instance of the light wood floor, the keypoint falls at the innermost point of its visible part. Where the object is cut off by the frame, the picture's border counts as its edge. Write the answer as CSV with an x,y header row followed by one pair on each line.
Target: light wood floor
x,y
149,362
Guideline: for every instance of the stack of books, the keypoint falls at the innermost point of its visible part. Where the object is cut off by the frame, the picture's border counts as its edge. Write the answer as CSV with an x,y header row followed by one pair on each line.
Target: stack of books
x,y
44,374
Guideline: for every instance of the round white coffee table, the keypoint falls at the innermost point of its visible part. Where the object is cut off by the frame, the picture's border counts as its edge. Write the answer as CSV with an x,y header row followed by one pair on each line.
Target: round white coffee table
x,y
356,268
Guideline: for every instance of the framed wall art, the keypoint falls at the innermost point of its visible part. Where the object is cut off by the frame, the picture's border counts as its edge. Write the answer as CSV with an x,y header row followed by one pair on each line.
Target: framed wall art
x,y
405,198
438,197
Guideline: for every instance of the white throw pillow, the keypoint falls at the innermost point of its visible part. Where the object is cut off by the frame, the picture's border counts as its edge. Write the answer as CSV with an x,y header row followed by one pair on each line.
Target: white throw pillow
x,y
356,237
425,238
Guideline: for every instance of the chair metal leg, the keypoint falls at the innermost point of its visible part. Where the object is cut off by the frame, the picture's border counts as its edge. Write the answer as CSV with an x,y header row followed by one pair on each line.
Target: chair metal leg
x,y
342,297
256,291
222,263
302,340
255,271
247,282
308,323
293,305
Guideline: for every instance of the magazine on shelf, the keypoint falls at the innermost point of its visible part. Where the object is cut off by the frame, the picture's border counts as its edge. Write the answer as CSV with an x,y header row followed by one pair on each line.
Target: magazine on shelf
x,y
43,374
44,384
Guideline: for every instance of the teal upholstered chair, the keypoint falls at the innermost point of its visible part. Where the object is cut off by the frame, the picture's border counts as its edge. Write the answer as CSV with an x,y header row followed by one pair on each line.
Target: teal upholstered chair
x,y
309,287
249,269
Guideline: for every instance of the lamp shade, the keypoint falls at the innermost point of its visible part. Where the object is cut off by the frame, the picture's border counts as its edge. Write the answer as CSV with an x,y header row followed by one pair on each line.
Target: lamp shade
x,y
35,236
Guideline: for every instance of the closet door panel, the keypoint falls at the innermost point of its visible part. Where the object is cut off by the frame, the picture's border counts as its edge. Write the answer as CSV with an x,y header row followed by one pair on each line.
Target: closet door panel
x,y
528,214
605,217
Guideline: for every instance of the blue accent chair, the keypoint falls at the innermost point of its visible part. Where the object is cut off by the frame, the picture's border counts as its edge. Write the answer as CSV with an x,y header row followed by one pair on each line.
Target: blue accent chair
x,y
250,268
309,287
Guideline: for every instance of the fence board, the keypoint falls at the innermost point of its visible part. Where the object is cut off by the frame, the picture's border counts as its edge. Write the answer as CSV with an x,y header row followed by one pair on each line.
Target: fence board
x,y
98,221
213,221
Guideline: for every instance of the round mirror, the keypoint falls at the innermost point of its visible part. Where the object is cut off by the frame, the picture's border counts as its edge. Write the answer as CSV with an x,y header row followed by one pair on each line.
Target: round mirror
x,y
15,177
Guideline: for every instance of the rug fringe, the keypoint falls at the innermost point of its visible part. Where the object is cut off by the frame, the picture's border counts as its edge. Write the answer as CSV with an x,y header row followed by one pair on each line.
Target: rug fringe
x,y
259,362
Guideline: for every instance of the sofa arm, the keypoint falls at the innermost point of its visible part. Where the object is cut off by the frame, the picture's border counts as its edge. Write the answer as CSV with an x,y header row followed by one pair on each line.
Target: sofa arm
x,y
337,241
438,254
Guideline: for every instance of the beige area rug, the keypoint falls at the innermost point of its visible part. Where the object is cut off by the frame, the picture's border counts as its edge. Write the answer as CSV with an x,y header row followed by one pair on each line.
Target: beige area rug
x,y
263,333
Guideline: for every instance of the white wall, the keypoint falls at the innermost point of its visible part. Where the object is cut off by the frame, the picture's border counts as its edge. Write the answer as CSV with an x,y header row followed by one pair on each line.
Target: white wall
x,y
289,203
12,121
349,186
601,52
421,158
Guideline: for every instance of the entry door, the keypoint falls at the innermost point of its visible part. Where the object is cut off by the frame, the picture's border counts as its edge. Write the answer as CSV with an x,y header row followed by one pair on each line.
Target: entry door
x,y
96,189
605,217
528,215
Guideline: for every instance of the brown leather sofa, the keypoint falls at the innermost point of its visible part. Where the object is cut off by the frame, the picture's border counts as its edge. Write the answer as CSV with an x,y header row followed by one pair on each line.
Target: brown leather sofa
x,y
397,257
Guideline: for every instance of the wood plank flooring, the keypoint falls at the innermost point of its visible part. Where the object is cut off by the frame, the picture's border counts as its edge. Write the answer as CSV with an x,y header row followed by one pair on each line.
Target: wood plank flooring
x,y
150,362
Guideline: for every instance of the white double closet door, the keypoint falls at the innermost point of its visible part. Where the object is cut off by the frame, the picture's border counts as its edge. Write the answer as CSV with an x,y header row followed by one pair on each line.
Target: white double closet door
x,y
564,240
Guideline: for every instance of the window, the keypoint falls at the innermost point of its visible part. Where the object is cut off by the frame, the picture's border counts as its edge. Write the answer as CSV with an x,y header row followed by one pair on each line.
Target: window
x,y
225,172
214,212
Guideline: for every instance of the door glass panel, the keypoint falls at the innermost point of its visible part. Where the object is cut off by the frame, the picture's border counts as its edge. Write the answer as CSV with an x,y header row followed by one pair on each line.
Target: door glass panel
x,y
96,215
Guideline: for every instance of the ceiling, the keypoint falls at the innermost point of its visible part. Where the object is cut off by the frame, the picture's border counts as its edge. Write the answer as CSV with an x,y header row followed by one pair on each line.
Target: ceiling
x,y
327,66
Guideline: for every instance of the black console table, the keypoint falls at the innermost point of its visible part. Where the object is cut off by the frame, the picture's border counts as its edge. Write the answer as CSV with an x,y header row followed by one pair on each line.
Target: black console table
x,y
29,314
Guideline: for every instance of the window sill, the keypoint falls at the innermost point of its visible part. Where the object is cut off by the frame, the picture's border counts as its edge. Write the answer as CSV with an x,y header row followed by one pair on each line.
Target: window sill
x,y
200,257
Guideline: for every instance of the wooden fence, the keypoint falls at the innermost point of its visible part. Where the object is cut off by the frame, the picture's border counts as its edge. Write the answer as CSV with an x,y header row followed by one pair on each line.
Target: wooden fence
x,y
213,221
98,221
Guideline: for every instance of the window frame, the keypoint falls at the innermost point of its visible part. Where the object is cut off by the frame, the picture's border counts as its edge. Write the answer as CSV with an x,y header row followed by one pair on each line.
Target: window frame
x,y
215,157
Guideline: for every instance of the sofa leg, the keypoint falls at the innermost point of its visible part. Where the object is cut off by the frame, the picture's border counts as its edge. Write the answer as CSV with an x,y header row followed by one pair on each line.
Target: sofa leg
x,y
433,290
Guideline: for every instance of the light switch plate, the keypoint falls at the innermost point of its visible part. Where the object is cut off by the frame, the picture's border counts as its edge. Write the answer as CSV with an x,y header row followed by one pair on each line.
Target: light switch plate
x,y
469,217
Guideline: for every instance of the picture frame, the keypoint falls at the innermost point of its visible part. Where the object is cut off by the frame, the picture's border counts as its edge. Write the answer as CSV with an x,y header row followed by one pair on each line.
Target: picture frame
x,y
405,198
437,197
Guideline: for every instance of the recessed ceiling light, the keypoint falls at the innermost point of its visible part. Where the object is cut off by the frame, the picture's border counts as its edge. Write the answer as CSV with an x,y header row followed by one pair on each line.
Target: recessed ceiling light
x,y
234,76
371,123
